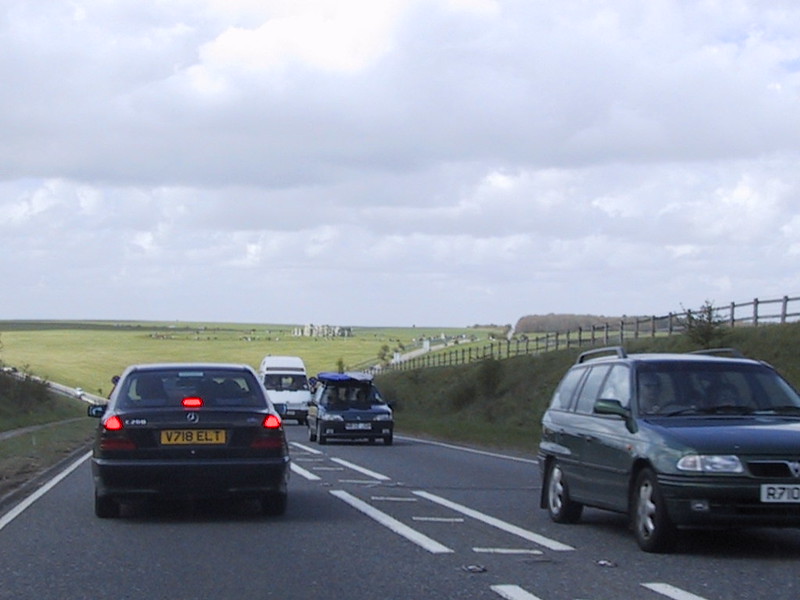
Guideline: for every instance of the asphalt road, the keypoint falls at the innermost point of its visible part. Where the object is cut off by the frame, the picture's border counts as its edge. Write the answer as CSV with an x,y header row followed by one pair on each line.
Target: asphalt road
x,y
410,521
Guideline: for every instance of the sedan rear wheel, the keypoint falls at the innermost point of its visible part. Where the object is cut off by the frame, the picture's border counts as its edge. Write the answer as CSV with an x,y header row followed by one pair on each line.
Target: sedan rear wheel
x,y
105,507
651,524
274,505
562,509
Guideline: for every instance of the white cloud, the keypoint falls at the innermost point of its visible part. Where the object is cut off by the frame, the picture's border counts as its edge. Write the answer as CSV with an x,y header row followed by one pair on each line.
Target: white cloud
x,y
525,157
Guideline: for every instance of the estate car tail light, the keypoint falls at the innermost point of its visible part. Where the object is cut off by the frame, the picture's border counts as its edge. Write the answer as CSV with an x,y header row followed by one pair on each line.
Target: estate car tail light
x,y
192,402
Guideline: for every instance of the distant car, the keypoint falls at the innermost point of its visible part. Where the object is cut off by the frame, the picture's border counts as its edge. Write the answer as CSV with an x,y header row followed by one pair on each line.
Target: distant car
x,y
349,406
674,441
189,430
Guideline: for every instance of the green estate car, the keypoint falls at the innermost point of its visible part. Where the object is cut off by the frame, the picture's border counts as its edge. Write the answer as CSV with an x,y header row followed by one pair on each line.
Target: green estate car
x,y
700,440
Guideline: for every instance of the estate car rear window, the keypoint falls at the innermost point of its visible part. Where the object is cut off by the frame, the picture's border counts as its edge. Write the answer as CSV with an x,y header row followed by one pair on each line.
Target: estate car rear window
x,y
169,388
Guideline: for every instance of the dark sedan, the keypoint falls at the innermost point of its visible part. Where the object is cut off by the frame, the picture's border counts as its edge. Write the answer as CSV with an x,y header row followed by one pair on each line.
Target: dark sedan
x,y
189,430
674,441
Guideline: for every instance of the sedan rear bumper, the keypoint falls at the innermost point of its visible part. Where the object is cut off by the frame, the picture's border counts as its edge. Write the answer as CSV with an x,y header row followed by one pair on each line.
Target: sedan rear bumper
x,y
206,478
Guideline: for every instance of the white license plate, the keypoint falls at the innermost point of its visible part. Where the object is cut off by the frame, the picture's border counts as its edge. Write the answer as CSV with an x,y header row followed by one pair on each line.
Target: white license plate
x,y
358,426
780,493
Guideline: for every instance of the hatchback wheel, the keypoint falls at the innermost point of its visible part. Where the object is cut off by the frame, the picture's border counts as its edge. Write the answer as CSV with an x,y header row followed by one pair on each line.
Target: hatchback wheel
x,y
321,439
651,524
562,509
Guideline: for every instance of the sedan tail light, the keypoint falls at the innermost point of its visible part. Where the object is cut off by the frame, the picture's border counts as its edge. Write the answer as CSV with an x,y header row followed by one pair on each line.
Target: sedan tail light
x,y
114,436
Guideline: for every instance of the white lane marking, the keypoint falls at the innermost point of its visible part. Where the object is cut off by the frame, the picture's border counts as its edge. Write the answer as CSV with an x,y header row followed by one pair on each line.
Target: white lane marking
x,y
513,592
328,468
439,519
470,450
506,551
394,525
22,506
303,473
494,522
371,482
671,591
362,470
393,499
305,448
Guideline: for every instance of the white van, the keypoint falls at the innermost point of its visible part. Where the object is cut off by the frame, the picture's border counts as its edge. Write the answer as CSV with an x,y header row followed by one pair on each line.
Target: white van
x,y
286,381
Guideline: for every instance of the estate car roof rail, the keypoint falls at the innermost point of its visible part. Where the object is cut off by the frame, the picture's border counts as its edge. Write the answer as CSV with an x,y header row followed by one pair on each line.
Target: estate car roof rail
x,y
618,351
733,352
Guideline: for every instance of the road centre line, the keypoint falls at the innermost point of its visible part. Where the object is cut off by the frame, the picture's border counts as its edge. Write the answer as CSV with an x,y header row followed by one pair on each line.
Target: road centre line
x,y
513,592
305,448
361,470
393,499
531,461
303,473
22,506
394,525
506,551
494,522
671,591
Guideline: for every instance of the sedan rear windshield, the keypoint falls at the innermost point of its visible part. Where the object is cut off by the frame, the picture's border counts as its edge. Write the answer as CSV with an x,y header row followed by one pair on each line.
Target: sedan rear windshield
x,y
169,387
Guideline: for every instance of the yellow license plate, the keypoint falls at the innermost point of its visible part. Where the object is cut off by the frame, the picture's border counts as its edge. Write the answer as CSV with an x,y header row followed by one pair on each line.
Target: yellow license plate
x,y
193,436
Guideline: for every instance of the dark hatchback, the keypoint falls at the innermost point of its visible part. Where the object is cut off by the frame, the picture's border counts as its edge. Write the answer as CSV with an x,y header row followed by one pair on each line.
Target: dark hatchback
x,y
349,406
189,430
673,440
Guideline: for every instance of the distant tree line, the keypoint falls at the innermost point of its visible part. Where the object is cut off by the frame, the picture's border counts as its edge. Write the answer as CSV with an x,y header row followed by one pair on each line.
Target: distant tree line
x,y
559,322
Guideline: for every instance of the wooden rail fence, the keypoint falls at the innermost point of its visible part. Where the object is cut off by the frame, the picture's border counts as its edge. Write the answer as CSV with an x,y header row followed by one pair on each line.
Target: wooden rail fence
x,y
745,314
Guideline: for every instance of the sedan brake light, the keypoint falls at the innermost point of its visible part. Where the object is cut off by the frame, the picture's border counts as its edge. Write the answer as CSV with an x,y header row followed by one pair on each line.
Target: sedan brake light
x,y
272,422
192,402
113,423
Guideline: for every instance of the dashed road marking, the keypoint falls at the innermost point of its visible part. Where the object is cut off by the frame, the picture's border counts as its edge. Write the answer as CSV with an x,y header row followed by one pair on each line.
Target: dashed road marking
x,y
494,522
393,524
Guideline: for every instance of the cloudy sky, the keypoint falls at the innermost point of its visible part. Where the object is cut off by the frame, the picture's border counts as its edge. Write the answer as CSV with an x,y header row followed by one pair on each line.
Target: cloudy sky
x,y
396,162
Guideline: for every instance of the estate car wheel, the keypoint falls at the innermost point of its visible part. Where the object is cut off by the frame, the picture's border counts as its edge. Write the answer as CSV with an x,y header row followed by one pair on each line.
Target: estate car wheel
x,y
105,507
651,524
321,439
561,508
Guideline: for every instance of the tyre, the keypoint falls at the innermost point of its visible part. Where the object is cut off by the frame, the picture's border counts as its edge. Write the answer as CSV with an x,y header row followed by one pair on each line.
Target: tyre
x,y
561,508
274,505
388,439
105,507
312,434
651,524
321,439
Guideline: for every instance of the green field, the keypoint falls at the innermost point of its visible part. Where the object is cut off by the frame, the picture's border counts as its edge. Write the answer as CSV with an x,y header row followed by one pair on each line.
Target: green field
x,y
87,354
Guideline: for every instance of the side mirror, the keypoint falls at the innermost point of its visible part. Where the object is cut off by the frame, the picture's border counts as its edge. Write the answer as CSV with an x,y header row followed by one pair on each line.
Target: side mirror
x,y
614,407
280,407
96,410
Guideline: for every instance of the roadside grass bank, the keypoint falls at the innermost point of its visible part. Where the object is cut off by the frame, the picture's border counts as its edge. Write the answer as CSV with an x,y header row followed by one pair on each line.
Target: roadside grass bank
x,y
38,429
499,403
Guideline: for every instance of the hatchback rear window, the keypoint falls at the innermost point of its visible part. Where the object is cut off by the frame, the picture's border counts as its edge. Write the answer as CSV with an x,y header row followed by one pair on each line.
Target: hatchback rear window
x,y
170,387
